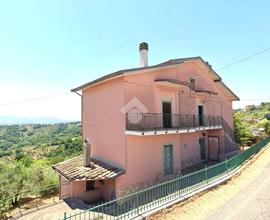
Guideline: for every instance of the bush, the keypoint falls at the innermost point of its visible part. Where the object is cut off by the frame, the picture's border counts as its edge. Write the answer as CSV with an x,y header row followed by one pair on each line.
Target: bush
x,y
5,153
243,135
265,124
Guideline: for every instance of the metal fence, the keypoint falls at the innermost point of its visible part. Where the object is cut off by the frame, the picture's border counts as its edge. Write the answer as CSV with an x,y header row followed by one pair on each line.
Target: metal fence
x,y
138,203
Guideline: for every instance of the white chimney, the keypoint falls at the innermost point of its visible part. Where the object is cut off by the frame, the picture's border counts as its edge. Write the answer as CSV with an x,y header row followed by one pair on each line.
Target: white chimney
x,y
143,54
86,153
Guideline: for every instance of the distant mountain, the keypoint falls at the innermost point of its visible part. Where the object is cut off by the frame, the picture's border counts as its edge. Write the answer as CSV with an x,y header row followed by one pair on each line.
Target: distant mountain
x,y
10,120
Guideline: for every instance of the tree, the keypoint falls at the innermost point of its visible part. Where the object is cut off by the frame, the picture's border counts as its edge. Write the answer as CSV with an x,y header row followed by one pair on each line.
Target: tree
x,y
11,185
265,124
243,135
19,154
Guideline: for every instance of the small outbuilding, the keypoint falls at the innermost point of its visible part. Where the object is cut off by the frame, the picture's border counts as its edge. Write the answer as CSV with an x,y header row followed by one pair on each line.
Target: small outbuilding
x,y
95,182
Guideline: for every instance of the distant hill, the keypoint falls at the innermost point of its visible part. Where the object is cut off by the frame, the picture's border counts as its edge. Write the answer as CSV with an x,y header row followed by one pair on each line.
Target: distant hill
x,y
35,135
257,112
11,120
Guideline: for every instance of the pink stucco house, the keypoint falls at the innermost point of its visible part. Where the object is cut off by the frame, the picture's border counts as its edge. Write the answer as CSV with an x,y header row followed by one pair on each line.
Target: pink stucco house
x,y
147,124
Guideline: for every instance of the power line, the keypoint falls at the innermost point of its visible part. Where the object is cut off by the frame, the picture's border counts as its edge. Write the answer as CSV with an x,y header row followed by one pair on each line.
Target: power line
x,y
34,99
244,59
222,68
254,100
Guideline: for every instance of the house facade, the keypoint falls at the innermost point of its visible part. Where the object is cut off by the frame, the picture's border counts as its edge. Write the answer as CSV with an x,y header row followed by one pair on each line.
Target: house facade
x,y
147,124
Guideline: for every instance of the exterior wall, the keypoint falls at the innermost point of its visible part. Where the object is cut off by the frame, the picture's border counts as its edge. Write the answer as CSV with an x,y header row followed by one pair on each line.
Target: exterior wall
x,y
213,147
108,189
220,135
103,122
144,88
77,189
184,100
145,159
190,149
64,188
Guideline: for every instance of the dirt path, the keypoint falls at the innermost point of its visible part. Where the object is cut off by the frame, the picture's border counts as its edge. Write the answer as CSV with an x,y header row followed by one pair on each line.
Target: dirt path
x,y
53,212
246,196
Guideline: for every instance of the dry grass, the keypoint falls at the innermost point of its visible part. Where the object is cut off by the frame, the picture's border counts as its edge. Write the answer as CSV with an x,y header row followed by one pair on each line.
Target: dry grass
x,y
202,205
30,203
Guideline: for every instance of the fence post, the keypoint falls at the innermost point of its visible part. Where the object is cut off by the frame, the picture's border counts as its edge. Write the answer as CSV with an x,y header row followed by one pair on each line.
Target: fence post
x,y
206,175
65,216
137,202
227,168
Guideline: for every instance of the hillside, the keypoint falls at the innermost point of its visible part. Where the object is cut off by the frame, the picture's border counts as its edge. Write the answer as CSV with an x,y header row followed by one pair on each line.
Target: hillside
x,y
14,138
27,153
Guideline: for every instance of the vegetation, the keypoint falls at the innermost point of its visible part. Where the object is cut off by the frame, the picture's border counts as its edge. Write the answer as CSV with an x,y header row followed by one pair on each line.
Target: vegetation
x,y
265,124
243,135
252,124
27,153
258,112
16,136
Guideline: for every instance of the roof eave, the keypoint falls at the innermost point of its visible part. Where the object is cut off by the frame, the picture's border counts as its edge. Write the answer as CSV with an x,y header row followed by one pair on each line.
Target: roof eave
x,y
169,63
235,97
99,80
121,73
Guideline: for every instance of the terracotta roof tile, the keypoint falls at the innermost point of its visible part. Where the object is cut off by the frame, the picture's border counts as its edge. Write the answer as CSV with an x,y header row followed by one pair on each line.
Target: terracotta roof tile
x,y
73,169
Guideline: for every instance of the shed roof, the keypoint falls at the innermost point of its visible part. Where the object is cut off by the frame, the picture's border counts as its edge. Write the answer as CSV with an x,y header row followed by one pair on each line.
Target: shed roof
x,y
74,169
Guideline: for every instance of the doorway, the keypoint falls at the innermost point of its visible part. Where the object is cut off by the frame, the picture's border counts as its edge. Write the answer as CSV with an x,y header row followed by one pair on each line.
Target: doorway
x,y
202,148
201,115
168,159
167,114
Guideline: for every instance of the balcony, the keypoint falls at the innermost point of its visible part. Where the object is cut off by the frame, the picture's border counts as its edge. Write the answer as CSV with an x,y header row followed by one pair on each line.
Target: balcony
x,y
155,123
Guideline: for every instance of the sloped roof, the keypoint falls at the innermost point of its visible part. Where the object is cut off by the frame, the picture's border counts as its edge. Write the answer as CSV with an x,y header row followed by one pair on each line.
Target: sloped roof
x,y
74,169
168,63
114,74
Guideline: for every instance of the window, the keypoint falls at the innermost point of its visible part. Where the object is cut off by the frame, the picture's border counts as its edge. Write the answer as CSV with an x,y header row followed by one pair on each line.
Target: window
x,y
90,185
168,159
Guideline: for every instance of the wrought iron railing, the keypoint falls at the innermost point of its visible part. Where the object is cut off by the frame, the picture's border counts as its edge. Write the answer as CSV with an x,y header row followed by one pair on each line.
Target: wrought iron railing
x,y
156,121
227,129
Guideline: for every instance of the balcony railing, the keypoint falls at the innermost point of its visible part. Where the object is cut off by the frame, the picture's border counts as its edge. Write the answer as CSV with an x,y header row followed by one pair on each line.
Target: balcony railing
x,y
156,121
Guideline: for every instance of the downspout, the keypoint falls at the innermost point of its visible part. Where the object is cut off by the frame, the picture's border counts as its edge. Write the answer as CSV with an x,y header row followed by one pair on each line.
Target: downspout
x,y
180,143
126,153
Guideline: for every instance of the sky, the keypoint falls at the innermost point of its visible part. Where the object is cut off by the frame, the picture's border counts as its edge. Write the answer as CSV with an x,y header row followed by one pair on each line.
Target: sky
x,y
49,47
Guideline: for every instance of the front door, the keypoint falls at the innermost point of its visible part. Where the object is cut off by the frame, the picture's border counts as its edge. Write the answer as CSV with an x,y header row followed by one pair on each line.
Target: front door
x,y
168,159
201,115
167,114
202,148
